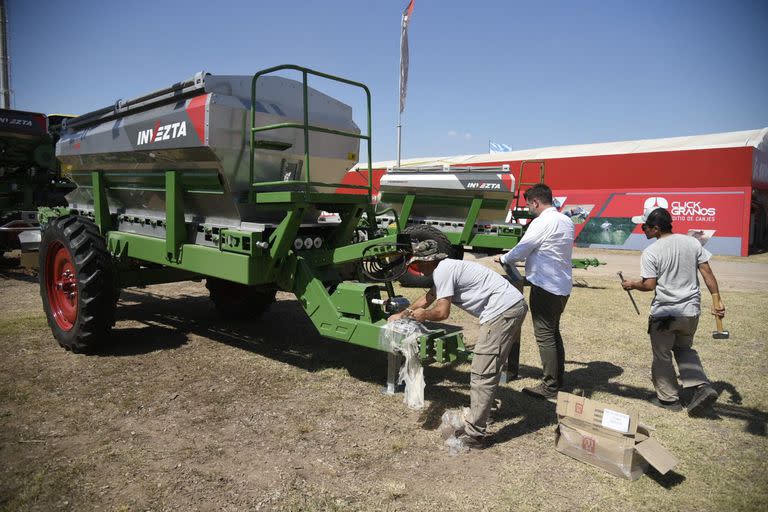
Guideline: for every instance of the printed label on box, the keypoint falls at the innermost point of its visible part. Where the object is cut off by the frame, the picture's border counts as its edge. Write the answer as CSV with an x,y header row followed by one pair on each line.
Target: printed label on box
x,y
616,421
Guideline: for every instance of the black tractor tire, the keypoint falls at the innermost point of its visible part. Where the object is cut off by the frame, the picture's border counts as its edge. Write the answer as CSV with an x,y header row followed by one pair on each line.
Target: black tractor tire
x,y
77,283
419,233
235,301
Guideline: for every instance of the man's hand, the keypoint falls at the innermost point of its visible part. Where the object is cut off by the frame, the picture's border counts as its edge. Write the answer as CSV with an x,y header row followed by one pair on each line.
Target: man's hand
x,y
409,313
418,314
719,311
647,284
497,258
397,316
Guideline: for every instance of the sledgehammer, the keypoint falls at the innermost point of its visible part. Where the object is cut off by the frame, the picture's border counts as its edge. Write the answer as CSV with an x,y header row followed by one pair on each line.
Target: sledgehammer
x,y
720,333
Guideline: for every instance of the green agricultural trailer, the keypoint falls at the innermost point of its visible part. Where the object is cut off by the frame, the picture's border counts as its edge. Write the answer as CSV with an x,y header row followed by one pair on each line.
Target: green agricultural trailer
x,y
480,208
223,178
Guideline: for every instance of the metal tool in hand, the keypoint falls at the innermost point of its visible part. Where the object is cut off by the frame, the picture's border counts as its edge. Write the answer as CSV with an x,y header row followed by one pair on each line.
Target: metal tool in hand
x,y
628,292
720,333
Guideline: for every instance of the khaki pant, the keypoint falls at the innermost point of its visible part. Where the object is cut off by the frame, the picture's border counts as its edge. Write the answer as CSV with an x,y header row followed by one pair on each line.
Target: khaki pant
x,y
673,337
512,366
546,309
491,351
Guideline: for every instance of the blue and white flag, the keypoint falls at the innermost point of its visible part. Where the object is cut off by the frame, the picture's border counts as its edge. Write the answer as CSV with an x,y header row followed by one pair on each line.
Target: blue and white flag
x,y
495,147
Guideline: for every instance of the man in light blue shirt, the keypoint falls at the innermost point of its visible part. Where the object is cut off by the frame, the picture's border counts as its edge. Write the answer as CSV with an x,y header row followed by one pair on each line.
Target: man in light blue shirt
x,y
546,247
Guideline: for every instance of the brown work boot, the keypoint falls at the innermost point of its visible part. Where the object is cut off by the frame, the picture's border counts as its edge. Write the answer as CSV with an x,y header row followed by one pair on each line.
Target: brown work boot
x,y
539,391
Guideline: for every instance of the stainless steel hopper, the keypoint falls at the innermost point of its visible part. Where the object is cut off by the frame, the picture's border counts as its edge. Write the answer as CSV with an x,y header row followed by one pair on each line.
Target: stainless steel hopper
x,y
201,128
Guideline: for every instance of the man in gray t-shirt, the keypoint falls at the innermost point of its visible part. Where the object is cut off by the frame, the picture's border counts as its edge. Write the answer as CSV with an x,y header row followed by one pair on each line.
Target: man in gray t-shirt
x,y
474,288
673,261
669,267
498,305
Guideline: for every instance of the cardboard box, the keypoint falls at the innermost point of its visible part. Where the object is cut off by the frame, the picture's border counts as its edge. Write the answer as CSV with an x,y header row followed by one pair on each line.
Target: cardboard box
x,y
609,438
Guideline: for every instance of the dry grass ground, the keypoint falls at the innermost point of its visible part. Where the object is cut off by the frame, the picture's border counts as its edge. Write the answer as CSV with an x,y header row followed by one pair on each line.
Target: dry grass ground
x,y
182,411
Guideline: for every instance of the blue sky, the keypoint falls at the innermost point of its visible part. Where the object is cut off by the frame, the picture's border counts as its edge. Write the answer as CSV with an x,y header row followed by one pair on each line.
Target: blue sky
x,y
528,74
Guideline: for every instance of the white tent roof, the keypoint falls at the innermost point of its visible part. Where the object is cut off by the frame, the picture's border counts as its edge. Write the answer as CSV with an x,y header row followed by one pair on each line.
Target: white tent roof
x,y
754,138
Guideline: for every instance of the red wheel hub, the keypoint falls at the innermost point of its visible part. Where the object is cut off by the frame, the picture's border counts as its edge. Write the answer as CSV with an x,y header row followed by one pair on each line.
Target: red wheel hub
x,y
61,285
414,271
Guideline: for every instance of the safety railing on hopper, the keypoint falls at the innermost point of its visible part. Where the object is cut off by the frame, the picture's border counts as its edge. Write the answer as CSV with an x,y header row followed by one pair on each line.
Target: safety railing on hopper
x,y
307,181
527,184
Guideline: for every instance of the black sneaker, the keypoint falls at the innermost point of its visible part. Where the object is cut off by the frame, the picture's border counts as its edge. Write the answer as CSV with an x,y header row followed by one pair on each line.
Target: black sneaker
x,y
539,391
704,396
670,406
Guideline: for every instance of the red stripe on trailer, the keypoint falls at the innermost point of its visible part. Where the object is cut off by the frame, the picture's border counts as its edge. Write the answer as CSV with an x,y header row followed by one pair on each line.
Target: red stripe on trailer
x,y
196,112
506,178
360,178
42,122
154,132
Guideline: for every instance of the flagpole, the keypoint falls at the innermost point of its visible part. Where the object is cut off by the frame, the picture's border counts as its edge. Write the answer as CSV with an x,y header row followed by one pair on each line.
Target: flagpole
x,y
398,139
399,124
400,94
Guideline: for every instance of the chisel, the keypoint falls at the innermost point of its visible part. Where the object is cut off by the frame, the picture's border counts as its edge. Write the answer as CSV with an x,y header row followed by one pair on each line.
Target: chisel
x,y
628,292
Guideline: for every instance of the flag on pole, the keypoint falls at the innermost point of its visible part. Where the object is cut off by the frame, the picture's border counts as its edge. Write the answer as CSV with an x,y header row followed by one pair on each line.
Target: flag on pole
x,y
495,147
404,54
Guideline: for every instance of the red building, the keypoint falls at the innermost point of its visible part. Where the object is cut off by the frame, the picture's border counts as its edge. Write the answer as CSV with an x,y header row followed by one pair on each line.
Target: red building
x,y
715,186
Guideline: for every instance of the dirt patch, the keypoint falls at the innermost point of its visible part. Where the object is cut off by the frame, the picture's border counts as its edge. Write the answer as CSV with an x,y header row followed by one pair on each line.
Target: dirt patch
x,y
184,411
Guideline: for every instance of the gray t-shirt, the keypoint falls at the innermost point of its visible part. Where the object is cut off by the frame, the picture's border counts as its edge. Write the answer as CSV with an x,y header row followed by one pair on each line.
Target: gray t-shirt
x,y
474,288
674,261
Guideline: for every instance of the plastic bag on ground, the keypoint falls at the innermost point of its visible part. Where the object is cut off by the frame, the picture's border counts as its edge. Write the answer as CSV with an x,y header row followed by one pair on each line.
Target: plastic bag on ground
x,y
455,446
452,422
403,336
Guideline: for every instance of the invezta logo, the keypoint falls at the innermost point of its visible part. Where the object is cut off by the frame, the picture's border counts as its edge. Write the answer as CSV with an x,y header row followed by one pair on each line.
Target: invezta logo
x,y
15,122
162,132
484,186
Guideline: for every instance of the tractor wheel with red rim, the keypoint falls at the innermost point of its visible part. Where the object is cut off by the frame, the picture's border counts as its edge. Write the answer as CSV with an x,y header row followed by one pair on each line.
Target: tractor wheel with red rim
x,y
77,283
419,233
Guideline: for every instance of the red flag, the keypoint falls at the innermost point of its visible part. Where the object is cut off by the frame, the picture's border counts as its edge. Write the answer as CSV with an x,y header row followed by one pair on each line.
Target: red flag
x,y
407,13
